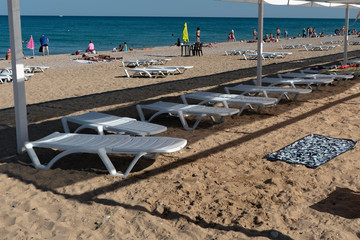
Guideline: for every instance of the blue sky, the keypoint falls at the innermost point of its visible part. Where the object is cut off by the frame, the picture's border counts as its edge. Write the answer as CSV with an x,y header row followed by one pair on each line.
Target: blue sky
x,y
186,8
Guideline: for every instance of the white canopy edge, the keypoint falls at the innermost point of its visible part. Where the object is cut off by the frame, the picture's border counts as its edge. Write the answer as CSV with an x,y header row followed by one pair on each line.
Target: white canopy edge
x,y
306,3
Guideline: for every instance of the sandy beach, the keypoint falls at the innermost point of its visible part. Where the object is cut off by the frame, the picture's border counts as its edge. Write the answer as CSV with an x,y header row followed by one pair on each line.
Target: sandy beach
x,y
218,187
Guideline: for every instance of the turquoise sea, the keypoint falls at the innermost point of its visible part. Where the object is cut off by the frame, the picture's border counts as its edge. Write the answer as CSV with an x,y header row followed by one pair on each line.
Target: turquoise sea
x,y
68,34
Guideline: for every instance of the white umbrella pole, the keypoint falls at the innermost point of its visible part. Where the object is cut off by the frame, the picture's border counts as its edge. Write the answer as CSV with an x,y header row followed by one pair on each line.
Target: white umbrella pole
x,y
260,42
346,35
18,74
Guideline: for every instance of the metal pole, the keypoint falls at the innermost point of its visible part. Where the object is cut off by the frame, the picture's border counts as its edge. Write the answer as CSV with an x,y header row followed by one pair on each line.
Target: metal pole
x,y
260,42
18,74
346,36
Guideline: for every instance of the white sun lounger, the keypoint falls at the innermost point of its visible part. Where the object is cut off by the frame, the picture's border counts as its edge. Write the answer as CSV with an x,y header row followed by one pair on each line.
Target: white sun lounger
x,y
354,43
33,69
145,62
238,52
294,46
150,72
314,75
7,77
265,55
103,145
265,90
104,122
331,71
322,48
226,99
351,61
332,42
297,81
180,110
179,69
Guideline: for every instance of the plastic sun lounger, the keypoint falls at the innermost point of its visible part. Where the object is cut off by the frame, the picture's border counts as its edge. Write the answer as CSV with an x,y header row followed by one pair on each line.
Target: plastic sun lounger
x,y
130,63
150,72
104,122
6,76
266,90
180,110
354,43
332,42
33,69
226,99
331,71
238,52
277,54
297,81
265,55
315,75
322,48
9,70
179,69
103,145
294,46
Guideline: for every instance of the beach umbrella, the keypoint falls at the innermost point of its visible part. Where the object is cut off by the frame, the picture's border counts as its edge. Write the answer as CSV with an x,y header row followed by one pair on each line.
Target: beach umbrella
x,y
31,45
311,3
185,35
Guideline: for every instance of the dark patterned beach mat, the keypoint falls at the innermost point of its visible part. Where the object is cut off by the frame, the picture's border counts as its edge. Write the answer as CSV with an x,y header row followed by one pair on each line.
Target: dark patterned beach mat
x,y
312,150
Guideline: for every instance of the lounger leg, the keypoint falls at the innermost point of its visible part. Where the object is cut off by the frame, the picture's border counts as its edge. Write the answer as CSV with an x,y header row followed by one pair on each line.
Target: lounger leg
x,y
242,109
37,164
127,74
65,125
110,167
185,124
296,96
142,117
183,98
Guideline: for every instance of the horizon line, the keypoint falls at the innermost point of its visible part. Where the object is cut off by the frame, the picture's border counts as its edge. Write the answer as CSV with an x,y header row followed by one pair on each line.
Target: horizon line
x,y
61,15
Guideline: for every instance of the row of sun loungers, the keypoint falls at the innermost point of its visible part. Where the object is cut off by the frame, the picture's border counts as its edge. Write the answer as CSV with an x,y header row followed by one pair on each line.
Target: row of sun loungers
x,y
142,145
27,69
6,73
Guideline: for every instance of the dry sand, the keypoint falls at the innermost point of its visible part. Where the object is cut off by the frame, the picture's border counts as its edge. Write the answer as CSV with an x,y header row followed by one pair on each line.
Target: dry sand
x,y
218,187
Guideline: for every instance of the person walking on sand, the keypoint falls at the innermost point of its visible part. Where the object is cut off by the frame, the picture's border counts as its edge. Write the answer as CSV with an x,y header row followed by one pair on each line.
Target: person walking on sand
x,y
198,35
44,42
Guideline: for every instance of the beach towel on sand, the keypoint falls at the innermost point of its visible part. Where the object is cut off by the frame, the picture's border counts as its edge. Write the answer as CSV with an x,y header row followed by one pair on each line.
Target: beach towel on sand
x,y
312,150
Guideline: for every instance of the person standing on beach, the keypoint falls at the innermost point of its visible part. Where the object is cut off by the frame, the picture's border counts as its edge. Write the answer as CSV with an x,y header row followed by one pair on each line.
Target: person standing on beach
x,y
198,35
304,33
278,33
254,34
44,41
233,36
286,35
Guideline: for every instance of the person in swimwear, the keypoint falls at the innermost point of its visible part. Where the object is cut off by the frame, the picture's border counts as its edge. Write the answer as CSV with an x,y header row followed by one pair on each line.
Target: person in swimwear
x,y
198,35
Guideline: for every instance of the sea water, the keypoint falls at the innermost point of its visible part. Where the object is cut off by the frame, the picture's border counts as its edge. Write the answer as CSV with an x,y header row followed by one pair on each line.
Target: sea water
x,y
67,34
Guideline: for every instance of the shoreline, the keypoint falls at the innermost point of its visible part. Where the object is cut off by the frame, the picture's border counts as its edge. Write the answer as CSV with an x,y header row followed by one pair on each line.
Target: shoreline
x,y
217,187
